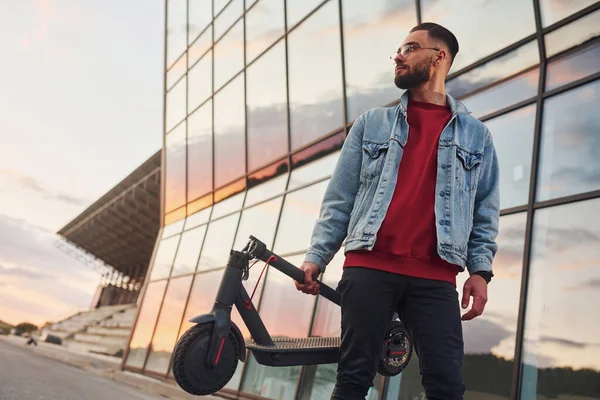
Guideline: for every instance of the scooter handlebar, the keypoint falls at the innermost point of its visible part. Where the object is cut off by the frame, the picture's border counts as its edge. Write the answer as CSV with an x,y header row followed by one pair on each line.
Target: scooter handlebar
x,y
258,249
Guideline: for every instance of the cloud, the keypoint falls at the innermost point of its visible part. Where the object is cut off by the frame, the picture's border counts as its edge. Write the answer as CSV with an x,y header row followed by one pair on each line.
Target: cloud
x,y
563,342
29,183
22,273
482,335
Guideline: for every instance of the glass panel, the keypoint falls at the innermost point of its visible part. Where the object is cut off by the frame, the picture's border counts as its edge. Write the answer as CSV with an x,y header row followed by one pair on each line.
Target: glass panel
x,y
575,33
176,29
507,65
267,108
270,382
569,162
315,170
199,218
200,46
319,150
202,297
188,252
176,71
573,67
218,243
298,9
300,212
224,21
328,319
490,338
259,221
175,169
219,4
230,154
367,34
315,74
489,14
176,104
200,15
167,327
267,183
505,94
561,350
200,82
229,55
200,152
173,228
138,347
163,260
325,378
555,10
513,139
229,205
175,216
264,25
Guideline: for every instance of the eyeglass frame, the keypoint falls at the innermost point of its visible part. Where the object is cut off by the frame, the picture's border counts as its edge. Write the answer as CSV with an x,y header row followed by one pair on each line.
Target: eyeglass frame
x,y
413,47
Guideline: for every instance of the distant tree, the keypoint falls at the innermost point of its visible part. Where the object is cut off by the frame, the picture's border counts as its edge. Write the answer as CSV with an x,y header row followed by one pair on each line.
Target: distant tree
x,y
25,327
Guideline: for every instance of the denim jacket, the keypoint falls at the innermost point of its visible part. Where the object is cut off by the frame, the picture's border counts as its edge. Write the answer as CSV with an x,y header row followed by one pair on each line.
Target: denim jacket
x,y
363,182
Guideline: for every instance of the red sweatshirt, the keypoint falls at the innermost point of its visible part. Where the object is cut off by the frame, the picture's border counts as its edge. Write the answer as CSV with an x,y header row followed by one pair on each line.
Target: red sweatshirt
x,y
407,240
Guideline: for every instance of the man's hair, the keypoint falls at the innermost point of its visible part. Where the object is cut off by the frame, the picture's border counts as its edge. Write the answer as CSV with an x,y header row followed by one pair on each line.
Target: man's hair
x,y
438,32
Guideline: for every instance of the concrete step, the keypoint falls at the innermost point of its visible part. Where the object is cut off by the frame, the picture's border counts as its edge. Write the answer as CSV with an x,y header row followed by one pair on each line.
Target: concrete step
x,y
117,324
109,331
88,347
60,334
109,341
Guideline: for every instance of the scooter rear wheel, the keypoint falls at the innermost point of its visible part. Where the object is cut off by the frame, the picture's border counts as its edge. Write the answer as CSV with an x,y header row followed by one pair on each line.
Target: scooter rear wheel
x,y
397,350
189,361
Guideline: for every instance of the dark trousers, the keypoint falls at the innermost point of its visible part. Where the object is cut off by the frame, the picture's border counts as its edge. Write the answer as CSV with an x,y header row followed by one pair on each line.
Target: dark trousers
x,y
430,311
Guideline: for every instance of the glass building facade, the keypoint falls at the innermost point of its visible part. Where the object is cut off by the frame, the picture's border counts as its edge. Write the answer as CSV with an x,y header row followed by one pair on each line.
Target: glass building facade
x,y
259,96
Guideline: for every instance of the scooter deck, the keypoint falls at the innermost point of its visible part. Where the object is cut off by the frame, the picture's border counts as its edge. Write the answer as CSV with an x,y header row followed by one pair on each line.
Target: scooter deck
x,y
288,351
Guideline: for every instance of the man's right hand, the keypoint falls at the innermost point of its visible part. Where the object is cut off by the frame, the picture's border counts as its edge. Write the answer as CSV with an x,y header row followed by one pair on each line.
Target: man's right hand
x,y
311,273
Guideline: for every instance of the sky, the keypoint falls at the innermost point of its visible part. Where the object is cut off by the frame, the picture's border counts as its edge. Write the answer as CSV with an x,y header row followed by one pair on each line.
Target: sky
x,y
80,108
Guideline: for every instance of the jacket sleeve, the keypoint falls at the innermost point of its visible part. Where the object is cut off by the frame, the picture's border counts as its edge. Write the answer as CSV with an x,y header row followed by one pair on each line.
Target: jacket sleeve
x,y
482,245
331,227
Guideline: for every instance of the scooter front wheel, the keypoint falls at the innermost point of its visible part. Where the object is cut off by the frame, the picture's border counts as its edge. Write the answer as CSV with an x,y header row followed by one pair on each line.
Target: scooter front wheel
x,y
189,361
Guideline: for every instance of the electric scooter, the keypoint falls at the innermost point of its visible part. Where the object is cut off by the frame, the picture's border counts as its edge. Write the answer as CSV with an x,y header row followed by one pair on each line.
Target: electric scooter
x,y
206,356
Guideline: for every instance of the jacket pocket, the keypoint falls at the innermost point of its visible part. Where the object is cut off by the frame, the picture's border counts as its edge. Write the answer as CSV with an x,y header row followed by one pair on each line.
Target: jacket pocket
x,y
467,169
374,155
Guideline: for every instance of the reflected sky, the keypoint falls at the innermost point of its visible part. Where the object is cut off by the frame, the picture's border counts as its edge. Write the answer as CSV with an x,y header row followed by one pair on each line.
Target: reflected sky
x,y
175,168
228,205
328,317
573,34
264,25
199,46
147,315
570,144
176,30
562,317
298,9
163,260
176,71
197,219
218,242
259,221
202,297
199,15
199,157
176,104
188,251
229,55
313,171
555,10
224,21
573,67
200,82
171,229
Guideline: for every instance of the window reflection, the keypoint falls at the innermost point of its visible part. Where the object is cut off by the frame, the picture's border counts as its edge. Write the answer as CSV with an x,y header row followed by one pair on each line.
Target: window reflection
x,y
267,108
236,188
173,228
569,161
298,9
573,67
321,149
199,204
504,94
267,182
299,214
555,10
200,15
489,14
175,169
489,340
188,251
219,4
167,327
175,216
580,31
224,21
176,71
176,104
315,73
163,260
561,351
229,55
200,152
328,319
264,25
270,382
197,219
200,82
200,46
513,139
372,33
507,65
202,297
218,242
138,347
259,221
228,205
176,29
324,382
315,170
230,152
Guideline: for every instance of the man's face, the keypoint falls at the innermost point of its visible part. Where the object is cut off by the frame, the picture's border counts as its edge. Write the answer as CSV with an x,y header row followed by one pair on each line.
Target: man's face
x,y
415,68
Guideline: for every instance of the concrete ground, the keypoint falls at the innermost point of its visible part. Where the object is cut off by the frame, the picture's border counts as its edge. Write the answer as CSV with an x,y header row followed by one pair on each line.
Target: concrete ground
x,y
51,372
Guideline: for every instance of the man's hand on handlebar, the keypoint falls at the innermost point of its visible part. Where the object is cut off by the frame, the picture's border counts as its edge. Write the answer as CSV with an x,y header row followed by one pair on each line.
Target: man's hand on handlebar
x,y
311,273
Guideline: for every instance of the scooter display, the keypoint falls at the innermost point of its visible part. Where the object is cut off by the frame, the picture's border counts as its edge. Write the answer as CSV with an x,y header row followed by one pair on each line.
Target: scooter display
x,y
206,356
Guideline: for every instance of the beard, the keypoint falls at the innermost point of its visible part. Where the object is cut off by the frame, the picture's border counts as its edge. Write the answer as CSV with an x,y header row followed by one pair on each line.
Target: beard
x,y
414,76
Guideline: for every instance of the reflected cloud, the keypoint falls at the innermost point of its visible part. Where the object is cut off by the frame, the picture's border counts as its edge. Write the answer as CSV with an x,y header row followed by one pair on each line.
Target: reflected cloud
x,y
482,335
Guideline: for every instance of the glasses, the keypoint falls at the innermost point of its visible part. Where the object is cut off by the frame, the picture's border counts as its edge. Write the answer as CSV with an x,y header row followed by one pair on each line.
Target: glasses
x,y
405,50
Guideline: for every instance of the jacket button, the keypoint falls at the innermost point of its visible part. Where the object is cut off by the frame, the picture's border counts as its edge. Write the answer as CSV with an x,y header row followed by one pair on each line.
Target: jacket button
x,y
442,194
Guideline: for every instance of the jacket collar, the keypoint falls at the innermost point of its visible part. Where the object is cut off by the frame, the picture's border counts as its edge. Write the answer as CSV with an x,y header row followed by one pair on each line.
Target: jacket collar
x,y
456,107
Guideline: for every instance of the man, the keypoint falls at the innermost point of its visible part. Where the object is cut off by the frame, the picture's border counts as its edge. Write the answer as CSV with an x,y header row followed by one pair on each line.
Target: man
x,y
415,209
